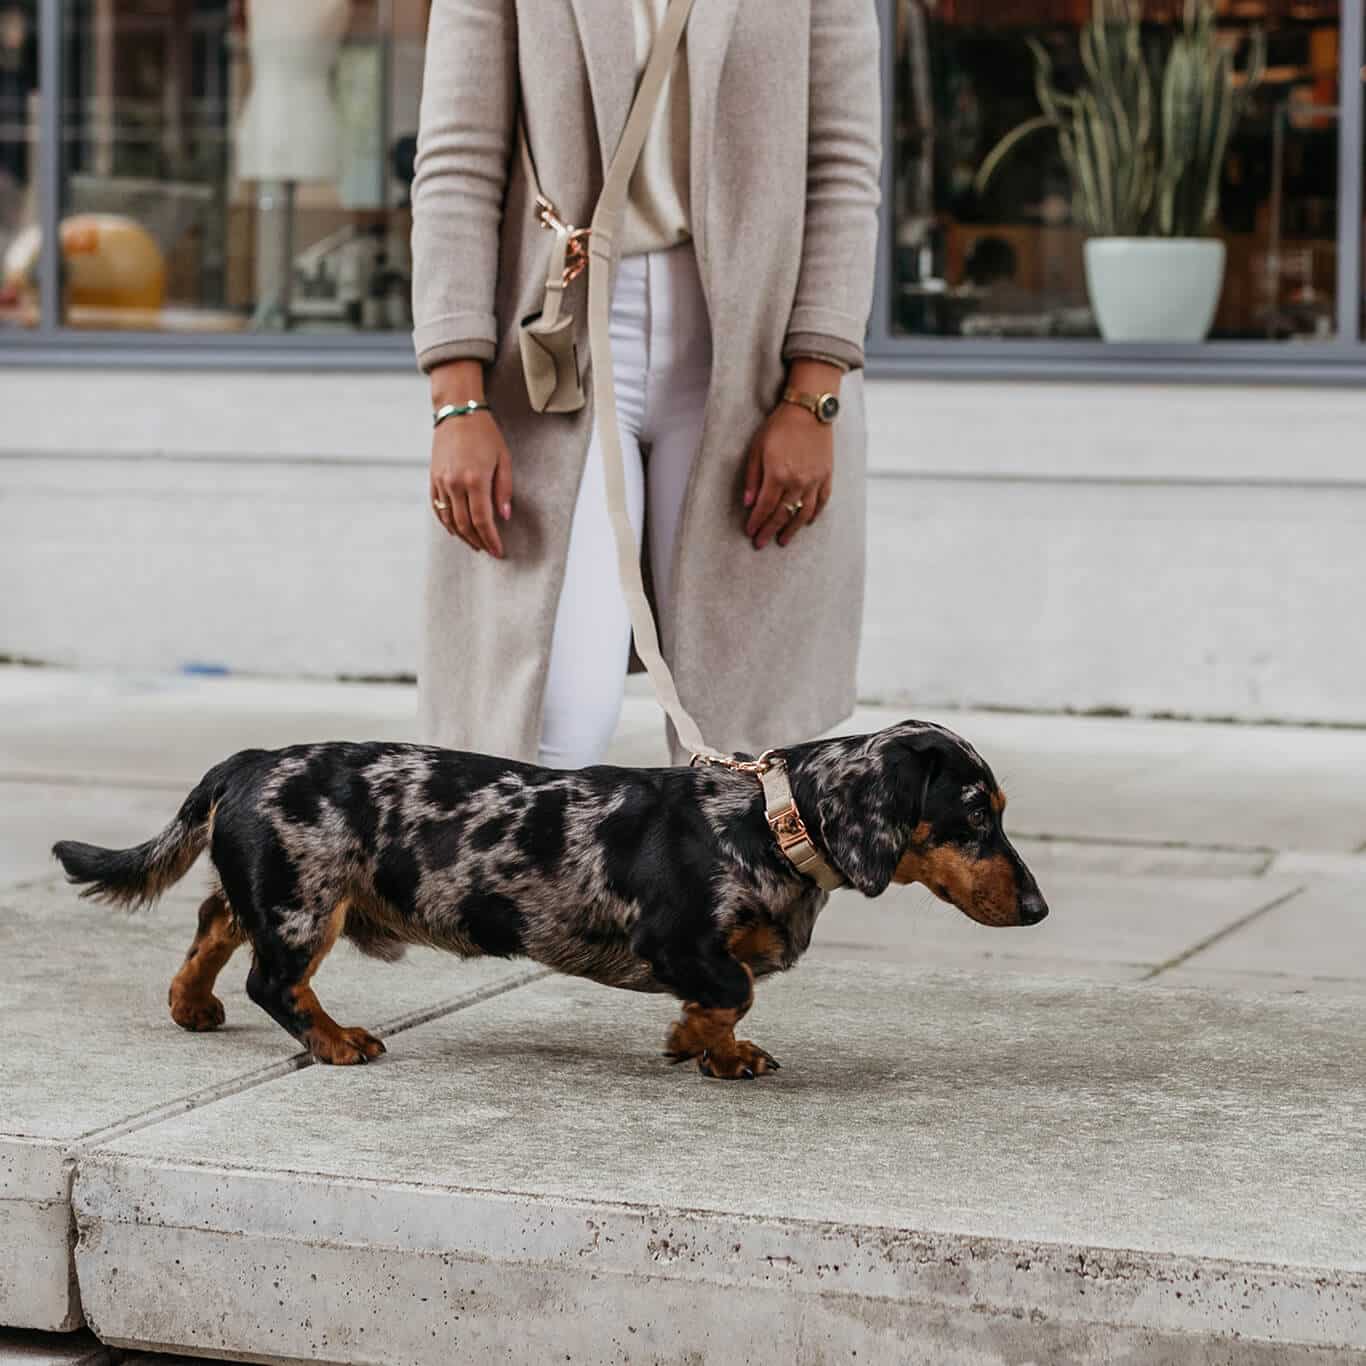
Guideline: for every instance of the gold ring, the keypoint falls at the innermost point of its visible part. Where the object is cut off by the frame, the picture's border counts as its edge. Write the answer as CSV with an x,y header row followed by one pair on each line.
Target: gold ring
x,y
794,508
440,507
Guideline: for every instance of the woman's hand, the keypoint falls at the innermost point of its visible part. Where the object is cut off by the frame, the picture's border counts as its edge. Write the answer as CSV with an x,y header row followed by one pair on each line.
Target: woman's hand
x,y
791,462
471,467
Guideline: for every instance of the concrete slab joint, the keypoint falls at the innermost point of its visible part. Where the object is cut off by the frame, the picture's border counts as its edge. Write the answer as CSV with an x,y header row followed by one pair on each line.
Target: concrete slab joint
x,y
37,1234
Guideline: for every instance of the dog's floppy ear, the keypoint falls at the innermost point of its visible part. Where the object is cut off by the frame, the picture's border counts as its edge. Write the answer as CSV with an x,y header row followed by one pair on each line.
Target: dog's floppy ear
x,y
866,821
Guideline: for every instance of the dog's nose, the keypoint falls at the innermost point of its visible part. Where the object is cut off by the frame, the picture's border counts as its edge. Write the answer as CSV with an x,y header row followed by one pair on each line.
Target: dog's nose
x,y
1033,908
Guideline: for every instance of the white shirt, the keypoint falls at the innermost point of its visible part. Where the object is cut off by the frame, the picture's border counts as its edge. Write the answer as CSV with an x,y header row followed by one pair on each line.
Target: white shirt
x,y
658,211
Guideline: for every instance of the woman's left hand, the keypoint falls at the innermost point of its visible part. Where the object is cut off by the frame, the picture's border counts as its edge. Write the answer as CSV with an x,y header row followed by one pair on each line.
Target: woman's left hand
x,y
789,474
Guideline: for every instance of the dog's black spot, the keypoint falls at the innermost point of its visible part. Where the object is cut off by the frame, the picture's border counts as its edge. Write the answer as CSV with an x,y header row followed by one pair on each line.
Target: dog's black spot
x,y
277,882
488,834
658,850
351,796
447,786
493,923
396,877
300,799
440,841
541,835
455,775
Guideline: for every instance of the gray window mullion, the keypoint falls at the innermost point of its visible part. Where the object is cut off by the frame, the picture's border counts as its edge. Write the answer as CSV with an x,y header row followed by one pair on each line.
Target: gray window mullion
x,y
1350,53
880,323
49,164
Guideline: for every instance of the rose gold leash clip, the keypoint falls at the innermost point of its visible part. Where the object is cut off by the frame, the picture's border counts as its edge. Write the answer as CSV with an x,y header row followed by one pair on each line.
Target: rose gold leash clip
x,y
577,247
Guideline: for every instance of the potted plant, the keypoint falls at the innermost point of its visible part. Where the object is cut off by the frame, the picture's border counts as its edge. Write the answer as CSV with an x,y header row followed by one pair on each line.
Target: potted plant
x,y
1144,141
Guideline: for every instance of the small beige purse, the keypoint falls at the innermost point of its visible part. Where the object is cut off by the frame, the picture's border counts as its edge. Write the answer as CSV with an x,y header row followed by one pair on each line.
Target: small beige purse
x,y
550,355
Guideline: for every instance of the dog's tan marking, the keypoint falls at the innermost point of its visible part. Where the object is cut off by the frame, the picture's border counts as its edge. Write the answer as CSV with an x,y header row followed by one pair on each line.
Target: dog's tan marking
x,y
998,801
326,1039
983,889
709,1036
757,945
193,1004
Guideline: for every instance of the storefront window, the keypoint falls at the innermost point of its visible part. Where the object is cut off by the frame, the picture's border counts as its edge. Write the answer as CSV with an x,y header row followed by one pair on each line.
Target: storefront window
x,y
238,165
236,175
18,160
1000,250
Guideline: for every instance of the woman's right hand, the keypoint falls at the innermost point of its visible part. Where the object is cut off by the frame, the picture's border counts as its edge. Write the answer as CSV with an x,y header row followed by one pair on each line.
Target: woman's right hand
x,y
471,478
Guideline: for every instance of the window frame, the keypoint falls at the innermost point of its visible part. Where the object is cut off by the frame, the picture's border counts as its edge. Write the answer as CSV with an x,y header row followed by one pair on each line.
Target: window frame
x,y
1341,361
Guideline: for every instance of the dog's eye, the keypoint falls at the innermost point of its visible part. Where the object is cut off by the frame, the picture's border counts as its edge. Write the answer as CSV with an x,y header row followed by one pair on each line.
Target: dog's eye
x,y
979,820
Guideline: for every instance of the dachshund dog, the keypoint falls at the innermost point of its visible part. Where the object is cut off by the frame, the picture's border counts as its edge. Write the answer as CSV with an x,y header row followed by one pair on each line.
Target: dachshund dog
x,y
664,880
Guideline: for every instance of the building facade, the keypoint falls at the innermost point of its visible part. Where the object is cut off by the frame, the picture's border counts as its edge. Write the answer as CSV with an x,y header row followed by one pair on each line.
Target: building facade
x,y
213,437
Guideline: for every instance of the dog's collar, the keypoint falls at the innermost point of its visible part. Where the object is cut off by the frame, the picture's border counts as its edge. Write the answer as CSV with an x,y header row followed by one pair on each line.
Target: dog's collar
x,y
784,819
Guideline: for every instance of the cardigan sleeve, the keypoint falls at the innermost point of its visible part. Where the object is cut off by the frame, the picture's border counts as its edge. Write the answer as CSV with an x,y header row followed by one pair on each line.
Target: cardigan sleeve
x,y
464,143
843,184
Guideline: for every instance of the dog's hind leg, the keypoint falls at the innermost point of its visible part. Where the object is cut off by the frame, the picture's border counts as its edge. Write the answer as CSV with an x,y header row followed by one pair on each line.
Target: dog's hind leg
x,y
279,982
193,1004
721,991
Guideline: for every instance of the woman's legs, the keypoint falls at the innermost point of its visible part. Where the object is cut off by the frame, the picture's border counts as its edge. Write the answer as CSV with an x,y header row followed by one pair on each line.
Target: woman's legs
x,y
680,373
592,640
661,352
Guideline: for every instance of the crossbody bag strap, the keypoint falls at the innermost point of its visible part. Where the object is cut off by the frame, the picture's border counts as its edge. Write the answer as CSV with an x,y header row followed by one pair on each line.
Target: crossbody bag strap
x,y
607,219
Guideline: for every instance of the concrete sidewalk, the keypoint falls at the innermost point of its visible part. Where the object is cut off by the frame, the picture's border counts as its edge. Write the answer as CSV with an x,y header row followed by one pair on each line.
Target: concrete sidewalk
x,y
985,1146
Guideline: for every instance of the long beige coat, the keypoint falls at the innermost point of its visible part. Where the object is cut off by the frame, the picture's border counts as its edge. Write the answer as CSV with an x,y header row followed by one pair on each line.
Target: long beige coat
x,y
785,151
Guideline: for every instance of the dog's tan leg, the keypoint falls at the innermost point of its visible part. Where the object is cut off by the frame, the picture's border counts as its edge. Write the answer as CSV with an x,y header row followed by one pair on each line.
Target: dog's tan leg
x,y
708,1034
193,1004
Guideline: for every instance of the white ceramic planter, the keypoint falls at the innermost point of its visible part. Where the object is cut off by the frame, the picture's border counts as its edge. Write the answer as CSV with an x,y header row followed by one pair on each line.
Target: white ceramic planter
x,y
1154,288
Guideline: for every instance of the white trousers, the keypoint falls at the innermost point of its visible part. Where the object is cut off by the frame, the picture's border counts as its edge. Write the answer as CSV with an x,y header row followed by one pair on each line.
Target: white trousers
x,y
661,353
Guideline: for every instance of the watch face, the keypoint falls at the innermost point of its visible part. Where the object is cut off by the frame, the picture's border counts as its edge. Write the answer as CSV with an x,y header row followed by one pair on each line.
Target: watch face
x,y
830,407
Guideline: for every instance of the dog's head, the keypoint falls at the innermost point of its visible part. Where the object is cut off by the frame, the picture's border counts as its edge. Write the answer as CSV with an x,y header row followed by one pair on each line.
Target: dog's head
x,y
916,803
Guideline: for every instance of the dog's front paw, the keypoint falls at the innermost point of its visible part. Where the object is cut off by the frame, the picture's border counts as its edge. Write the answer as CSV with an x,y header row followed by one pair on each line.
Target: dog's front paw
x,y
197,1013
344,1047
739,1060
682,1042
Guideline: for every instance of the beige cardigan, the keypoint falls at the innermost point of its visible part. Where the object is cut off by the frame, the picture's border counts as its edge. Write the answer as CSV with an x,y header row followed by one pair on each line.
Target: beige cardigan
x,y
783,195
658,213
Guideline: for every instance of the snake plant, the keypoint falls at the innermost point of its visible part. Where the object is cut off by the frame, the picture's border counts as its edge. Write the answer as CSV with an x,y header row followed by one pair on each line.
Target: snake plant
x,y
1144,138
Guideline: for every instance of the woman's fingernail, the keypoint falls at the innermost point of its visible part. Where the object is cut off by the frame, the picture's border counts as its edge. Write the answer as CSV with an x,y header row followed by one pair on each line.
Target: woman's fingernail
x,y
749,498
507,512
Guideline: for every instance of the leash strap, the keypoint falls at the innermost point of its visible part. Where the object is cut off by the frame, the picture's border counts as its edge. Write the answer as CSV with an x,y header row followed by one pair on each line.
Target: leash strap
x,y
607,219
606,225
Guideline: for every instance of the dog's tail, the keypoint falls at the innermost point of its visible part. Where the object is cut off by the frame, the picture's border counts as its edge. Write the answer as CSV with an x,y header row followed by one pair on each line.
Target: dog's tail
x,y
138,876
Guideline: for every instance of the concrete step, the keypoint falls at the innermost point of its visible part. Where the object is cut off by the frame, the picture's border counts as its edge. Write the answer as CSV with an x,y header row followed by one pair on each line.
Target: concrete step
x,y
91,1052
954,1168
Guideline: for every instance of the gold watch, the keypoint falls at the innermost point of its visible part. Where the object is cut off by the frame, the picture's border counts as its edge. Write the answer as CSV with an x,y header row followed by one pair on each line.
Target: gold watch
x,y
825,407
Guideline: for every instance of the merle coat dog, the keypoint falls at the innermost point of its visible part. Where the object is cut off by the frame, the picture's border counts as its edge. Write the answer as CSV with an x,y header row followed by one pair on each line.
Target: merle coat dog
x,y
665,880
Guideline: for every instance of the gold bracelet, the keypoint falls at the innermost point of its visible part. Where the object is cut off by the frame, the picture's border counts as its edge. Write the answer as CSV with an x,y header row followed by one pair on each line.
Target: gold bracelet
x,y
457,410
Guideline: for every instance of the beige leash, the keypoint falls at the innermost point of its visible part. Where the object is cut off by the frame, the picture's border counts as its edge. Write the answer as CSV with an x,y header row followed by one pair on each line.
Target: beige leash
x,y
606,224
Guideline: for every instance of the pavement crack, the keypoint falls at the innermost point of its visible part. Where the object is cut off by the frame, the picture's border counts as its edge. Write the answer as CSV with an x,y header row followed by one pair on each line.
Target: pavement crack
x,y
295,1062
140,782
461,1002
1223,933
1140,842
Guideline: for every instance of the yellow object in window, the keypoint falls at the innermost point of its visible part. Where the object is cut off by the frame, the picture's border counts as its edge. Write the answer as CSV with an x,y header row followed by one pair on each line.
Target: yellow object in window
x,y
108,262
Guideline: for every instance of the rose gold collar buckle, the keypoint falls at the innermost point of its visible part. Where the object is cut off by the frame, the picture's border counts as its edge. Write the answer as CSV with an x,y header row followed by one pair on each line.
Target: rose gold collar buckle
x,y
780,810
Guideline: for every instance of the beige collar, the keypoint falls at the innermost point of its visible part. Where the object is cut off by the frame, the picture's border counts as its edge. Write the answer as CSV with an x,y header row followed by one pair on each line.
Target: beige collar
x,y
784,819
